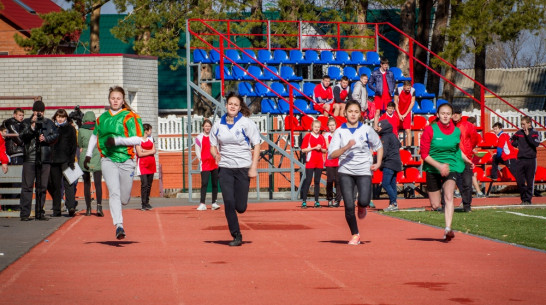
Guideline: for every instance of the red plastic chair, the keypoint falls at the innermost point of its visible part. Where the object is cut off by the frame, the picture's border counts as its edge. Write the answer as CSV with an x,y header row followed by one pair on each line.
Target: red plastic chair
x,y
540,175
307,122
507,176
407,158
486,159
340,120
419,122
490,140
412,175
431,119
377,177
323,122
400,177
480,175
291,123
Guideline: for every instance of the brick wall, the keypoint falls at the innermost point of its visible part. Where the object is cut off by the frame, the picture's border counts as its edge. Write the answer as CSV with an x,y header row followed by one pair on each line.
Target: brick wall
x,y
7,43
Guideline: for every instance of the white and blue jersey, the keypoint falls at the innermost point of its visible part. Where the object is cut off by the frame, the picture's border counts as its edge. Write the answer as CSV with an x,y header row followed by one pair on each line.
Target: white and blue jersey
x,y
358,159
235,141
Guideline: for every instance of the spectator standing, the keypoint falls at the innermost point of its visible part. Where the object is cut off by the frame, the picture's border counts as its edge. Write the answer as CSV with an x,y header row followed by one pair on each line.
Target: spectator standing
x,y
313,146
404,98
208,166
38,135
332,166
235,144
4,159
116,133
14,144
323,97
342,93
84,134
391,163
64,156
146,165
443,161
353,143
527,139
469,140
391,116
360,94
383,84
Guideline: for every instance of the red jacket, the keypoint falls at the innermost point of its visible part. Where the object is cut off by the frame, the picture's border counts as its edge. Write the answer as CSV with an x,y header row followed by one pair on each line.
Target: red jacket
x,y
469,137
3,157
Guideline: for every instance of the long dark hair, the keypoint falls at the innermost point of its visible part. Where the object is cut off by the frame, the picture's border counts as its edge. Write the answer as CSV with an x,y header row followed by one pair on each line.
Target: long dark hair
x,y
244,108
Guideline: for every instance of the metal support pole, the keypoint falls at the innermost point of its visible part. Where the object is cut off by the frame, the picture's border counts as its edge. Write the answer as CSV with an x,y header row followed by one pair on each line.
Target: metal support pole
x,y
410,51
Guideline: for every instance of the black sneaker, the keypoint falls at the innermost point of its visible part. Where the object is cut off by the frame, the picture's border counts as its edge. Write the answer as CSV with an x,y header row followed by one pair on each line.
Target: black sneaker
x,y
120,233
41,217
336,204
147,206
71,212
237,241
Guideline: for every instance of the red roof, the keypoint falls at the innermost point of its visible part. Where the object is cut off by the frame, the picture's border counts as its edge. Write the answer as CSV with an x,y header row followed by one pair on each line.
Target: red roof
x,y
22,18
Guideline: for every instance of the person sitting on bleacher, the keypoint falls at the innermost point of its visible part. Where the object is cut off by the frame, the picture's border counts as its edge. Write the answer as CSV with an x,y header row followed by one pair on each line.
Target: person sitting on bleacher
x,y
324,97
341,96
391,116
506,153
383,84
404,98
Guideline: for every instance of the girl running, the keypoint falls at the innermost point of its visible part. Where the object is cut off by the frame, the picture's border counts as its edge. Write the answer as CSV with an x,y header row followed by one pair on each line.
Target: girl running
x,y
353,143
313,145
208,166
116,133
331,169
443,161
146,165
235,144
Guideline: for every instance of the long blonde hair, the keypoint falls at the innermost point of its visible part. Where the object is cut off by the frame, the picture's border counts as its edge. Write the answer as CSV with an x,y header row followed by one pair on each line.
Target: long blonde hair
x,y
122,91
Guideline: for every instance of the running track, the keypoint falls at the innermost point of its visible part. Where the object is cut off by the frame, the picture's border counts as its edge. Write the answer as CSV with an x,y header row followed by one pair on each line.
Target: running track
x,y
176,255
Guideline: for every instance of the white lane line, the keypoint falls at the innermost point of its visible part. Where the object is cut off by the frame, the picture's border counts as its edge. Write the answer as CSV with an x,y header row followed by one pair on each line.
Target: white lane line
x,y
521,214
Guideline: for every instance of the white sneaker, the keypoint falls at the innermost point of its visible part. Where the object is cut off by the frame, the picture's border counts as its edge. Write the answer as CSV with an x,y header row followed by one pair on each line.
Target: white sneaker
x,y
202,207
215,206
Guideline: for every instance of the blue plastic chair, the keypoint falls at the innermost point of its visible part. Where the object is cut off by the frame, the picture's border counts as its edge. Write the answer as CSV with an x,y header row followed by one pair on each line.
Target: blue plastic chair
x,y
372,58
416,109
371,93
256,71
296,57
304,106
440,102
264,56
308,89
364,70
342,58
279,88
269,75
246,89
421,91
245,59
427,107
263,91
334,72
227,73
201,56
269,106
288,73
326,58
311,57
240,74
357,58
214,56
295,93
350,72
279,57
398,76
284,107
233,55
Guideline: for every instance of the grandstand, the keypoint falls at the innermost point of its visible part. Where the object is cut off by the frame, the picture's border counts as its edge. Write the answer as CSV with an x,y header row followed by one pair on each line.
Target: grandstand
x,y
278,78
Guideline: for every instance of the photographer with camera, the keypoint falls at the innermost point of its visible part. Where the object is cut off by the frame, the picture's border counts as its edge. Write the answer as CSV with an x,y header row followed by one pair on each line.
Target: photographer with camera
x,y
38,135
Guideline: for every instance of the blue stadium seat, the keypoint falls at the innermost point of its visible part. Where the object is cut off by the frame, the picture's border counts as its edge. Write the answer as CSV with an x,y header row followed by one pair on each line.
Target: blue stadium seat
x,y
416,109
246,89
342,58
265,57
326,58
245,59
264,91
227,73
350,72
427,106
308,89
295,93
288,74
334,72
371,93
421,91
240,74
270,106
269,75
440,102
398,76
311,57
304,106
233,55
296,57
279,57
214,56
357,58
364,70
256,71
284,107
279,88
372,59
201,56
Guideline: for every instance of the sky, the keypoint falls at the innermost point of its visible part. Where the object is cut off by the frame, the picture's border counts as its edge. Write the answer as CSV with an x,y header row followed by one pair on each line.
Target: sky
x,y
108,8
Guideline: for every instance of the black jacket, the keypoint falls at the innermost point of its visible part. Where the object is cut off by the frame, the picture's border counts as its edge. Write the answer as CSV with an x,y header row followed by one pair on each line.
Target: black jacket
x,y
64,149
391,147
14,145
526,144
29,136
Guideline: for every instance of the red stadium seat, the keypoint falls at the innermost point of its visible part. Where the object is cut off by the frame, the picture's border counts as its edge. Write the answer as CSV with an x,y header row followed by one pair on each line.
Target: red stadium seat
x,y
307,122
291,123
431,119
412,175
407,158
377,177
507,176
540,175
489,140
480,175
419,122
323,122
486,159
340,120
400,177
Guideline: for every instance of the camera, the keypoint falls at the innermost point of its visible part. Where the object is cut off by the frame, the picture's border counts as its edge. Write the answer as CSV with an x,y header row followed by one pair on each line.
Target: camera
x,y
76,116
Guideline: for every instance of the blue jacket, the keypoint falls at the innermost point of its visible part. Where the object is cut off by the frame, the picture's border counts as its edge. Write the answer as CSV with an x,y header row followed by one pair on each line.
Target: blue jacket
x,y
376,82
